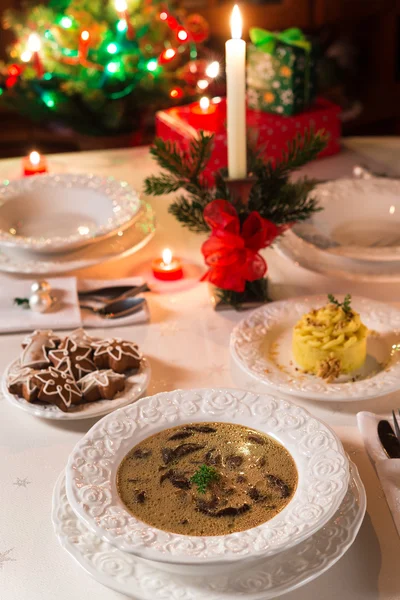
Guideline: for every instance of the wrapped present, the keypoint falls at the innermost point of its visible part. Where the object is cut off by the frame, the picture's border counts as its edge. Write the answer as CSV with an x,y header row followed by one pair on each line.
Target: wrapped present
x,y
182,123
281,71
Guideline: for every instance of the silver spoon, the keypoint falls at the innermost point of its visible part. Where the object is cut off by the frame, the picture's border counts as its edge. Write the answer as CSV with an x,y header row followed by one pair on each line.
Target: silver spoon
x,y
117,309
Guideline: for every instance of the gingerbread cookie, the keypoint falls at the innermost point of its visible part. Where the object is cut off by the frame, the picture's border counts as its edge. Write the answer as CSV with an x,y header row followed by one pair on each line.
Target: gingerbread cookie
x,y
80,337
73,358
35,348
22,384
116,354
56,387
101,385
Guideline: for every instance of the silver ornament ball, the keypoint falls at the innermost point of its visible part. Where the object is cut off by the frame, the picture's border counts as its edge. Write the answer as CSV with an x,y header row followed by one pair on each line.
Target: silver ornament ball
x,y
40,286
40,301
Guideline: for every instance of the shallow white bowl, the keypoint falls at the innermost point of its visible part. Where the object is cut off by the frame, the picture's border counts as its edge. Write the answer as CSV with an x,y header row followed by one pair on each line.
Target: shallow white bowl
x,y
360,219
92,467
56,213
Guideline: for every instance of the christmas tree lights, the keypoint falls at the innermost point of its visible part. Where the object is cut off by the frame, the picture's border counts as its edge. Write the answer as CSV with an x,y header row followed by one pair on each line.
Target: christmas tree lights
x,y
97,65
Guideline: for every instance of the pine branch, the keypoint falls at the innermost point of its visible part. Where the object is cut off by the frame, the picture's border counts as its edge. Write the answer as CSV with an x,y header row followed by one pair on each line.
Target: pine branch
x,y
200,151
291,203
189,212
302,149
171,157
157,185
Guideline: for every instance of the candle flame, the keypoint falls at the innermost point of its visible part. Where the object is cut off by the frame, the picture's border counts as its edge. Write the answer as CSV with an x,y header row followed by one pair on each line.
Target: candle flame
x,y
85,35
204,103
236,23
34,158
121,5
34,43
167,256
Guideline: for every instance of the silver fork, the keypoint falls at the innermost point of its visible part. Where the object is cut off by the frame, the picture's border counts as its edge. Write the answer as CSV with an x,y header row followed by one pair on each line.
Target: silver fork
x,y
396,424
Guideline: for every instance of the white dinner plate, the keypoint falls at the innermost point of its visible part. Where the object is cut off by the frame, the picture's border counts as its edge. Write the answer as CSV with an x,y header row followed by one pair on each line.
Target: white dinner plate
x,y
360,219
322,466
269,579
57,213
135,386
124,243
261,344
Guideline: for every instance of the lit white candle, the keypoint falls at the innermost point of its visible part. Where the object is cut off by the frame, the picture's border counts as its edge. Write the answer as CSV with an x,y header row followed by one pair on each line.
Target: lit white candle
x,y
235,53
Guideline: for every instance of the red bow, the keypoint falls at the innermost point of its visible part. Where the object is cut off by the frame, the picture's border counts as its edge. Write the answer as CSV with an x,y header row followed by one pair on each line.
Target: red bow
x,y
231,252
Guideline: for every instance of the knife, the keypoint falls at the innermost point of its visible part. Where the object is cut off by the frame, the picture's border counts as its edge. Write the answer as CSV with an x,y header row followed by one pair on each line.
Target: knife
x,y
108,293
388,439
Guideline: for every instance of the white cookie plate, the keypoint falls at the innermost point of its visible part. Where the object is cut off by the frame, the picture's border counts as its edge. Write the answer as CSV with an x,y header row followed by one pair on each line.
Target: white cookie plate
x,y
135,386
262,345
269,579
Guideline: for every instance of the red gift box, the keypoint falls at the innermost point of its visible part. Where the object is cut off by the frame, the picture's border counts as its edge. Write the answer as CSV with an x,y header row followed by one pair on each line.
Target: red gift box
x,y
181,124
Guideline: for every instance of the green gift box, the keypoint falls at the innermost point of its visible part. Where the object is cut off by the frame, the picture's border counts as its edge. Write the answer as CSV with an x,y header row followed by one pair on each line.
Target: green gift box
x,y
281,71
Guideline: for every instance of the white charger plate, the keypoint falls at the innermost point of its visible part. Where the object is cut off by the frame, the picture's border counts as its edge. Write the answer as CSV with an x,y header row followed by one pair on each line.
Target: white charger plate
x,y
135,386
57,213
320,460
124,243
269,579
360,219
261,345
312,258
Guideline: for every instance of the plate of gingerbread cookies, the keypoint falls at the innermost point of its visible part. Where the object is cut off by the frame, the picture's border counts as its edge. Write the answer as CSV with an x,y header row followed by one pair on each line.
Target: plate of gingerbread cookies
x,y
76,377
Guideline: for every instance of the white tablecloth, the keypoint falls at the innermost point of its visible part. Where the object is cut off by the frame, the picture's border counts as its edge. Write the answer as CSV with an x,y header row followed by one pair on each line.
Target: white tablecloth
x,y
187,344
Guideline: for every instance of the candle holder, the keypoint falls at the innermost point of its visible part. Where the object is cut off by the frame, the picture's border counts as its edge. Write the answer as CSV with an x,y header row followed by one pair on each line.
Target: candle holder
x,y
240,188
255,295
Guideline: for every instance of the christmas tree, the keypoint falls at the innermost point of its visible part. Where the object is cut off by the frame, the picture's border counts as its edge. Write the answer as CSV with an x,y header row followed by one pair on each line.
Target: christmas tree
x,y
98,65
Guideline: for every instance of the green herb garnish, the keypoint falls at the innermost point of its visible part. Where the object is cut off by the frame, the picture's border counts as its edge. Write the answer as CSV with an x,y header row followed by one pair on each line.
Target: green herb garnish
x,y
345,305
24,302
203,477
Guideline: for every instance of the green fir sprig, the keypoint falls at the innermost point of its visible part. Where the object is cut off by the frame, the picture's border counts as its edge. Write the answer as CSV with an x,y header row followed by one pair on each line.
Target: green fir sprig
x,y
273,195
345,305
203,477
24,302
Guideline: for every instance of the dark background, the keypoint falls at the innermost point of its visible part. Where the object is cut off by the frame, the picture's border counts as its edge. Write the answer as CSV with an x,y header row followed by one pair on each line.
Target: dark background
x,y
359,68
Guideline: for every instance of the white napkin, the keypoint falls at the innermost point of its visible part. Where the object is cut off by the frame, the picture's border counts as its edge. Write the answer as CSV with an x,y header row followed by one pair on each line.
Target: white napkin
x,y
66,313
387,469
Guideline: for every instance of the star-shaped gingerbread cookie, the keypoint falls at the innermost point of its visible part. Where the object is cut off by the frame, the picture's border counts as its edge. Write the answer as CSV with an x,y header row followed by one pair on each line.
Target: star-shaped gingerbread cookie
x,y
73,358
56,387
101,385
116,354
22,384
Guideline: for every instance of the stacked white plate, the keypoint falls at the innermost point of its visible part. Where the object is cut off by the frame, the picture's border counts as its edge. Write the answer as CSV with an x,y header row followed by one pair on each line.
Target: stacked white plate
x,y
355,236
51,224
297,545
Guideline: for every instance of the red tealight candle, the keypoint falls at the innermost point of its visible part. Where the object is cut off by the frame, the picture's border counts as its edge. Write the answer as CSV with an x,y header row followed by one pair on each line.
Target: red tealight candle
x,y
167,268
203,115
34,164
